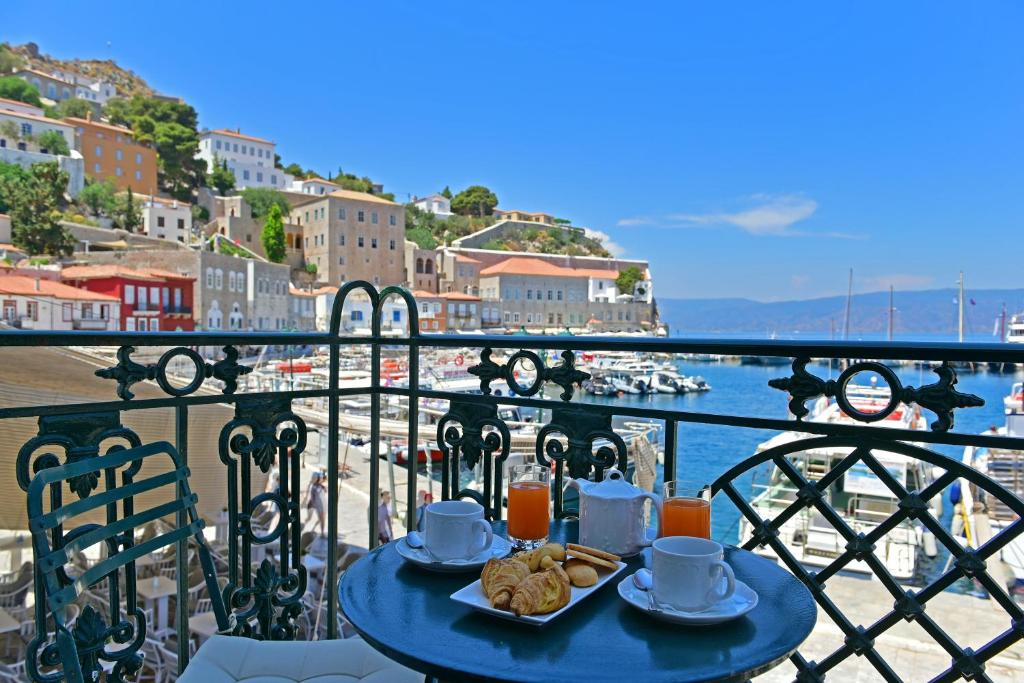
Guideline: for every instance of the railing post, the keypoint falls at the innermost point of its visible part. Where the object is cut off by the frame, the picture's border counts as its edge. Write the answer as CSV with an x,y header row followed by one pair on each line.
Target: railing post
x,y
669,469
333,435
181,561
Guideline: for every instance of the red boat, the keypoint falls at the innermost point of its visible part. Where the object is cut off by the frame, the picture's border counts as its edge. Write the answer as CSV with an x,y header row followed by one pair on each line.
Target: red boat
x,y
421,456
296,366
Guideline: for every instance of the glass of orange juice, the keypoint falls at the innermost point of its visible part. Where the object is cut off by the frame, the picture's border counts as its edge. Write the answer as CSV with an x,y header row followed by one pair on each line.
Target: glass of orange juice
x,y
686,509
529,506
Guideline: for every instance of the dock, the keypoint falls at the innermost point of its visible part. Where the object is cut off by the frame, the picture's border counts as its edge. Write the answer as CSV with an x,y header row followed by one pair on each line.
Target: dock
x,y
913,655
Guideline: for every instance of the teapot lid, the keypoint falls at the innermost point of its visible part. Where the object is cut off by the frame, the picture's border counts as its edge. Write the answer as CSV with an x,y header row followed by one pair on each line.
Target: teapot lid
x,y
614,485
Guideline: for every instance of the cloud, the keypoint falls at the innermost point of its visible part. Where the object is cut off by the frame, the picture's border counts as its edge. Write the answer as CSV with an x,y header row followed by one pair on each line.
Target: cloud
x,y
769,215
606,239
897,281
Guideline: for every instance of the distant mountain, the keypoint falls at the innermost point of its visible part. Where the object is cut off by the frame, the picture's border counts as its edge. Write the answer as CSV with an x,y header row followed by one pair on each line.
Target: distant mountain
x,y
931,311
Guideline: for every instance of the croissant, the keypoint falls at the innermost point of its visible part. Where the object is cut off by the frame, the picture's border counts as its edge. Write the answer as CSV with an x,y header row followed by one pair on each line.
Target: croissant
x,y
499,579
542,592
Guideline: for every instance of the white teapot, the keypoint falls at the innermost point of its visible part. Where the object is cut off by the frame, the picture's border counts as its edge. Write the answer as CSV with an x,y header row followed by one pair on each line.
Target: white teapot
x,y
612,513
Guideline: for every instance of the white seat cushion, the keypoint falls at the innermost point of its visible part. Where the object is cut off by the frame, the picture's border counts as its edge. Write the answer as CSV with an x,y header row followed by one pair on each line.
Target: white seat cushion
x,y
225,659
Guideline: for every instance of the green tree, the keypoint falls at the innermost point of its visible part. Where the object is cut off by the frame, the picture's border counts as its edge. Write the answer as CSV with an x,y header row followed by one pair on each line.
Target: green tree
x,y
272,235
628,278
11,177
98,197
53,142
475,200
221,178
8,60
260,199
171,128
34,204
446,192
295,170
73,108
176,147
127,213
13,88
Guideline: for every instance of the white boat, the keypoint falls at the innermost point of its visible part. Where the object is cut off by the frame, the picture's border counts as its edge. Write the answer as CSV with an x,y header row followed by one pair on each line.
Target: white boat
x,y
978,517
1015,329
859,497
1013,403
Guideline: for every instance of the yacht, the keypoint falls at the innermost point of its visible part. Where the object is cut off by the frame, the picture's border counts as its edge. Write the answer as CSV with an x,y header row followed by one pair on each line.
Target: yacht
x,y
1015,329
858,496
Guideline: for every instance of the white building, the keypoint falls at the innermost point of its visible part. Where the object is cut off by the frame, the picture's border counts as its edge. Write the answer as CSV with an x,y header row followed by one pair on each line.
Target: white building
x,y
94,91
20,107
437,204
27,127
251,159
166,219
20,128
43,304
314,186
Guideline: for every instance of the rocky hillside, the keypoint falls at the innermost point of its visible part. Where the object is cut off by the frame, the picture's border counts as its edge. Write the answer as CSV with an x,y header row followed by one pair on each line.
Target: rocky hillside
x,y
127,82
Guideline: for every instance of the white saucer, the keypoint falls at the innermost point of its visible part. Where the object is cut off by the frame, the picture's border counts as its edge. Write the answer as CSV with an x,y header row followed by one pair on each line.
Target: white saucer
x,y
500,547
739,603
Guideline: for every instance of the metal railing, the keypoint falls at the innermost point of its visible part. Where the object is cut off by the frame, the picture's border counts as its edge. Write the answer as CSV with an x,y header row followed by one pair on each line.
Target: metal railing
x,y
578,437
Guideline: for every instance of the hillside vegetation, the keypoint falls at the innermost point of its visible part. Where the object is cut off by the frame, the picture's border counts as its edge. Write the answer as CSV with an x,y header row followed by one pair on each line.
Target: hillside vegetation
x,y
548,241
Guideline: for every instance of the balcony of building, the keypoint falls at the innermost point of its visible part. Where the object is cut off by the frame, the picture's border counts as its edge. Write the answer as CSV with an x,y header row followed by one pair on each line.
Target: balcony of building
x,y
164,504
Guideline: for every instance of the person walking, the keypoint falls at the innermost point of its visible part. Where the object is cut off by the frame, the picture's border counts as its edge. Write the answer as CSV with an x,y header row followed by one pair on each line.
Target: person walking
x,y
425,500
384,532
316,502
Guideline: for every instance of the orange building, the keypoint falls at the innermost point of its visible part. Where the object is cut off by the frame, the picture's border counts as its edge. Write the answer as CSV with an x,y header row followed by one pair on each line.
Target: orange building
x,y
110,152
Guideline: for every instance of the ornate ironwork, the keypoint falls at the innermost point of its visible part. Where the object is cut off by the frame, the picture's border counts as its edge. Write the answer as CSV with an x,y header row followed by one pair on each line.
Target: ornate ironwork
x,y
941,397
462,439
274,433
127,372
565,374
861,547
79,436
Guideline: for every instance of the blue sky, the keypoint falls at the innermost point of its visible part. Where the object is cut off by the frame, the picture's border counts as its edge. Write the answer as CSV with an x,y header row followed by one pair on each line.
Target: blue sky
x,y
747,149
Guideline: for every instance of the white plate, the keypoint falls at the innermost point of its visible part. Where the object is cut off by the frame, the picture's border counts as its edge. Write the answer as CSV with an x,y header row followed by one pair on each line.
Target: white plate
x,y
500,547
739,603
473,595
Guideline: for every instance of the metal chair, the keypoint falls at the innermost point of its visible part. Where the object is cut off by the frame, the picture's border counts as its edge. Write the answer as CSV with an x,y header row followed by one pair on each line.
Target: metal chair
x,y
79,650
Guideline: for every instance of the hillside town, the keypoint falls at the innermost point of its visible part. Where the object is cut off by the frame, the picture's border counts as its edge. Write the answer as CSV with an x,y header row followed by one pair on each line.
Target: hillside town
x,y
119,212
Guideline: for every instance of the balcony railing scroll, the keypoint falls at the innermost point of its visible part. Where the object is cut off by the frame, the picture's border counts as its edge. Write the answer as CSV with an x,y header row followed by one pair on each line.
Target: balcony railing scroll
x,y
260,566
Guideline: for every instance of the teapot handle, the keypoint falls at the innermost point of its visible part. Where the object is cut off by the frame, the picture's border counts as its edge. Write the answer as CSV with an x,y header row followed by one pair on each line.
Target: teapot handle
x,y
656,503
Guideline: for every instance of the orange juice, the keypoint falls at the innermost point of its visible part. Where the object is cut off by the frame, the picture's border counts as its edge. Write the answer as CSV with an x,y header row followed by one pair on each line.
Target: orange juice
x,y
528,515
686,517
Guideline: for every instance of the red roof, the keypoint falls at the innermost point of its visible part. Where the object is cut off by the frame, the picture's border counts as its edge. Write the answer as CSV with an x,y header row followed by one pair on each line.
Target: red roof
x,y
466,259
93,272
30,286
526,265
166,274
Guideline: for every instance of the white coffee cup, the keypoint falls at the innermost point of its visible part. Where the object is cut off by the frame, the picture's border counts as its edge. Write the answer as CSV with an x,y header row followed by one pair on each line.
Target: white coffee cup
x,y
689,573
456,530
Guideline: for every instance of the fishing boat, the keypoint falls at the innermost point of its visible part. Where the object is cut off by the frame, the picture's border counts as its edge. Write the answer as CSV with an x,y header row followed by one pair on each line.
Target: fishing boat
x,y
858,496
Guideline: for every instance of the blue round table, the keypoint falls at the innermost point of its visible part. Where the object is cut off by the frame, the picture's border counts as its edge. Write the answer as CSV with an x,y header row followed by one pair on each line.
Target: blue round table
x,y
405,612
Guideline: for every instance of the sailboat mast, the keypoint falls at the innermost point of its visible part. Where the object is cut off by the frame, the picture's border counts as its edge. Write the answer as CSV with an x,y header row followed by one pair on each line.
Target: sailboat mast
x,y
849,297
961,320
892,312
